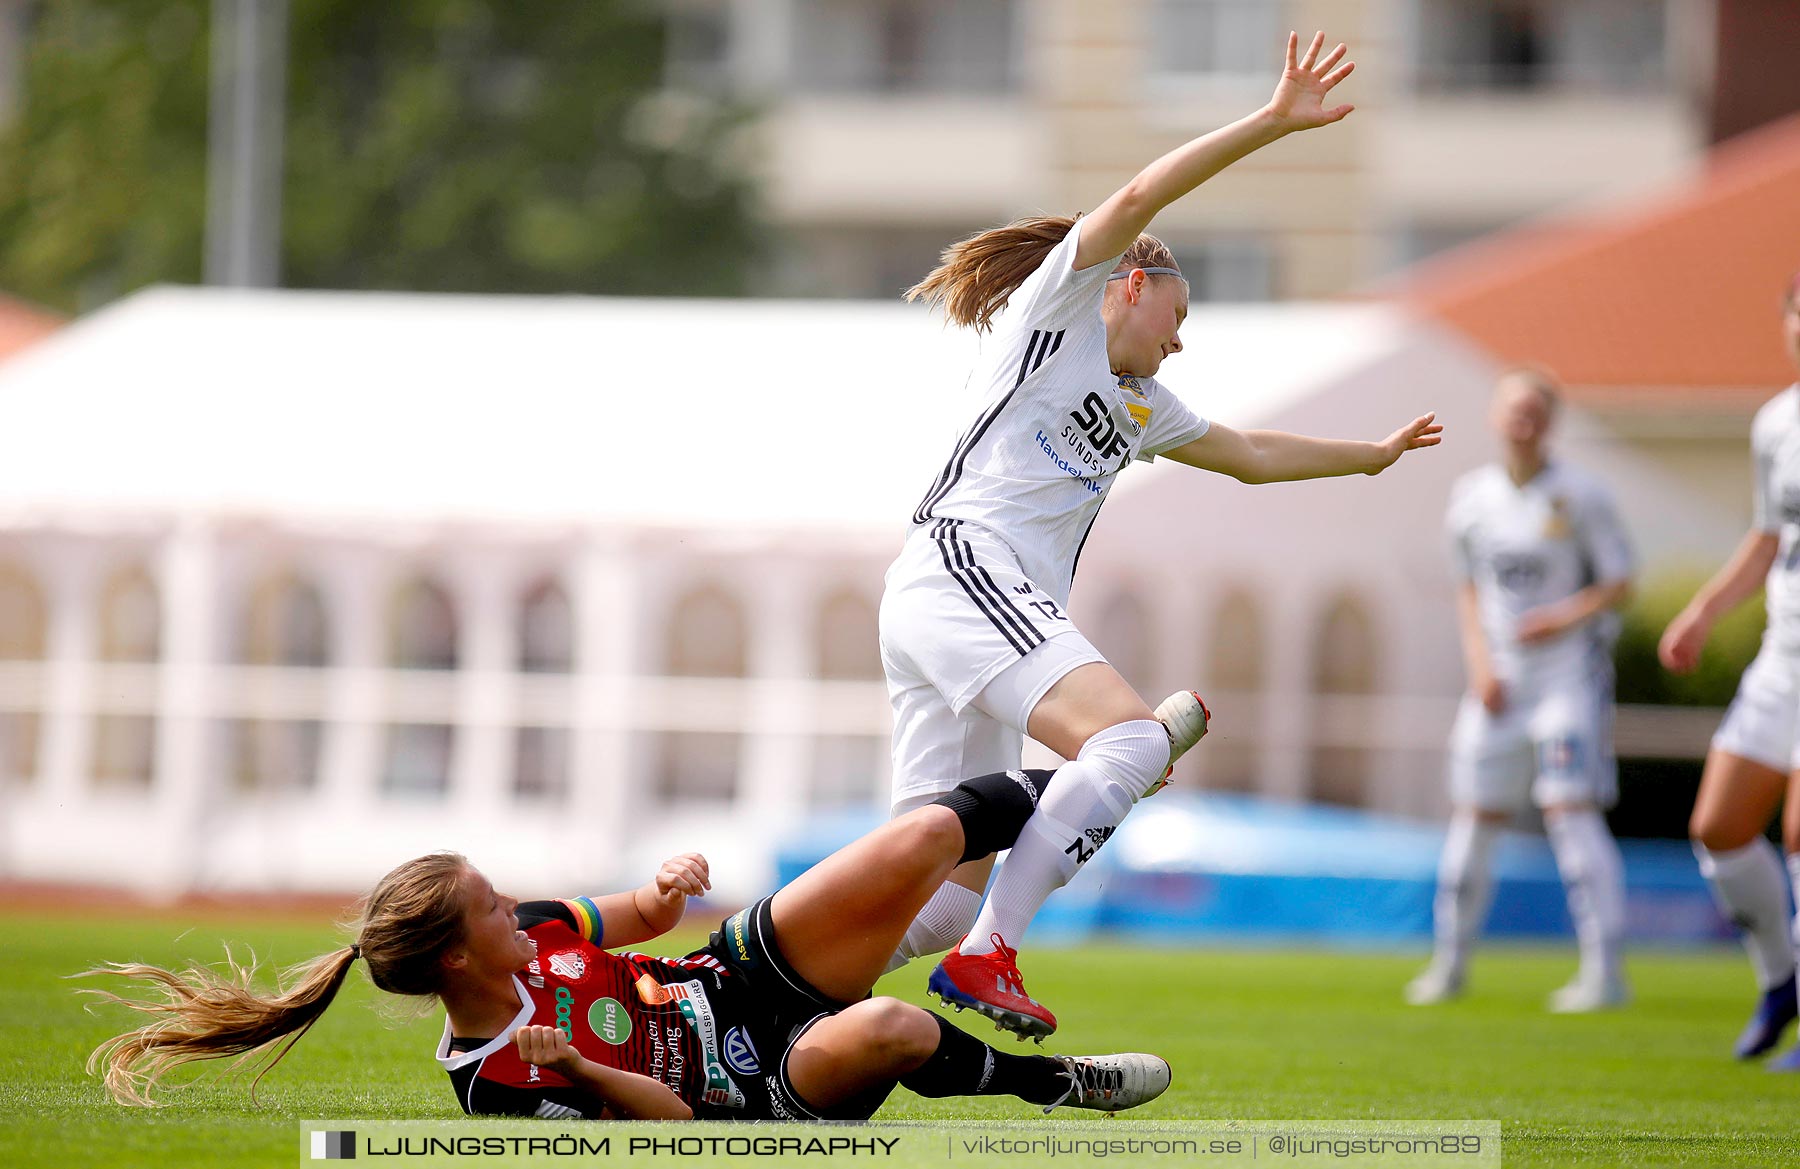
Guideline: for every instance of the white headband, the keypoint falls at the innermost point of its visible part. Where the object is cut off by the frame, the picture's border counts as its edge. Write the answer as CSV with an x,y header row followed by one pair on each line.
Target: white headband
x,y
1148,272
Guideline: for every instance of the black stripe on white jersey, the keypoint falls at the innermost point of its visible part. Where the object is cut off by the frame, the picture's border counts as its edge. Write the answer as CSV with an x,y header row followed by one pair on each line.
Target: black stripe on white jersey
x,y
959,562
1041,345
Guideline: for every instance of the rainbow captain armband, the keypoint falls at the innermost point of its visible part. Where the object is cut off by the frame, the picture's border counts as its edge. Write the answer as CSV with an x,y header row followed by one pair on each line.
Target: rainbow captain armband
x,y
587,917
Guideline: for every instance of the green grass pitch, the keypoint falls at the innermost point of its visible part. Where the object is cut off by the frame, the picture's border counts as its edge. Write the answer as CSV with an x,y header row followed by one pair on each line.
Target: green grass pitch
x,y
1252,1035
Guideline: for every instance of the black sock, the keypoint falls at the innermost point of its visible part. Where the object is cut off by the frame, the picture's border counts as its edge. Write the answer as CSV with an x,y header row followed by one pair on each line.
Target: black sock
x,y
993,808
963,1065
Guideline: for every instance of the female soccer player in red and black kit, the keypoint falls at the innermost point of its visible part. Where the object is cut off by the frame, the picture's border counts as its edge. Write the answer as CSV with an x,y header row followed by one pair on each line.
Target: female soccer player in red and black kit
x,y
771,1020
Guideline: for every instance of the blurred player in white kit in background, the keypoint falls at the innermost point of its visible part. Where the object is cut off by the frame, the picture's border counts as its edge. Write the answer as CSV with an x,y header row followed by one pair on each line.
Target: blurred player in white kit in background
x,y
1542,563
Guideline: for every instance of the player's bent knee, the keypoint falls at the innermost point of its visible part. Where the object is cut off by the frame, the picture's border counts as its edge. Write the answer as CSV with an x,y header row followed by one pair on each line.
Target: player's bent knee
x,y
1135,753
1717,833
905,1035
933,835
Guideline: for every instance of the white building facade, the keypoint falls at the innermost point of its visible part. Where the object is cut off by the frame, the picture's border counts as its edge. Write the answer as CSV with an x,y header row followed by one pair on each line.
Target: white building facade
x,y
294,586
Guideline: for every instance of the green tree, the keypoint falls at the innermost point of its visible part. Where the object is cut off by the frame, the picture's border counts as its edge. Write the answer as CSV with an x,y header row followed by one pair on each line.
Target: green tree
x,y
1729,649
450,145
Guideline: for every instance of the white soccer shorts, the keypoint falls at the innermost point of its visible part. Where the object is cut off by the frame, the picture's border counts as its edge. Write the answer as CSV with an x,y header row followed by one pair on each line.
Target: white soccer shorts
x,y
1552,744
969,645
1760,723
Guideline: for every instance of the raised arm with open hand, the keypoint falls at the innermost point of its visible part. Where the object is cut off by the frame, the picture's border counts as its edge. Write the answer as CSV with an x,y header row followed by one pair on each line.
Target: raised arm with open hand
x,y
1298,104
1299,101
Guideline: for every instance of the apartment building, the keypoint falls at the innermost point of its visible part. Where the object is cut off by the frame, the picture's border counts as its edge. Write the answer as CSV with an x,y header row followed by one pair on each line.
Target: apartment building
x,y
893,126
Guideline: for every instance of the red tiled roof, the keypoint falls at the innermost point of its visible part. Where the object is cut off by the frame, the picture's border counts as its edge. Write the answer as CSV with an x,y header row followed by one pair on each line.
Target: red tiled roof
x,y
1680,293
22,324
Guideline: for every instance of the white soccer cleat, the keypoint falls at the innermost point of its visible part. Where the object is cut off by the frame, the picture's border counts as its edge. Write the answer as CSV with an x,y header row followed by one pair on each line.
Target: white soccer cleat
x,y
1112,1083
1436,984
1589,994
1184,716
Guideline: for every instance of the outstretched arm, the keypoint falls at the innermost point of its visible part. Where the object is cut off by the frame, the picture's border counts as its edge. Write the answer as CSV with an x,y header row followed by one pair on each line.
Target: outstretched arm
x,y
1734,583
1275,456
656,907
1298,104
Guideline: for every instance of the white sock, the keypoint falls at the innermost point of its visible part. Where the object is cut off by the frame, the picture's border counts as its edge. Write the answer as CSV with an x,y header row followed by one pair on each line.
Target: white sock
x,y
1747,883
1465,889
1079,811
946,918
1593,875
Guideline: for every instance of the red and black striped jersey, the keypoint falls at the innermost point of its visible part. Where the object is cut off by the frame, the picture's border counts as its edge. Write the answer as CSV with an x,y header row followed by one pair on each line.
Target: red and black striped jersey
x,y
653,1016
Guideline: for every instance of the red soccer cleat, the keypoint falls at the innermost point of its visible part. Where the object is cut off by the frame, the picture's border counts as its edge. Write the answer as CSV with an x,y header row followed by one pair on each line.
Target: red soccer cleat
x,y
990,984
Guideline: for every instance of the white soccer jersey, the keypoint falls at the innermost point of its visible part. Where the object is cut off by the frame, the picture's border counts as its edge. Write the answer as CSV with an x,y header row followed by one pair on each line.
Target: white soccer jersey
x,y
1057,425
1775,445
1523,547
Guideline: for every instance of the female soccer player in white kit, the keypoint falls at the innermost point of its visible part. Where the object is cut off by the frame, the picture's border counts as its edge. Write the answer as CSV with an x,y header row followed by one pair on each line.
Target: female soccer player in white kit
x,y
1542,561
975,638
1751,760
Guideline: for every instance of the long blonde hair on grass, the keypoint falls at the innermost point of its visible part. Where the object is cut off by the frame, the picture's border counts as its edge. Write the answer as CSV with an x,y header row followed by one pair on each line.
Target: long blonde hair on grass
x,y
405,925
975,277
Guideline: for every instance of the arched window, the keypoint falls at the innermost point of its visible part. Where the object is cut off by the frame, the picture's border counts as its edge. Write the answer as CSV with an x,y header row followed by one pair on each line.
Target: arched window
x,y
1344,676
846,642
284,627
1121,629
546,630
546,646
130,634
130,617
1235,674
22,641
422,636
422,627
707,634
846,769
285,624
707,637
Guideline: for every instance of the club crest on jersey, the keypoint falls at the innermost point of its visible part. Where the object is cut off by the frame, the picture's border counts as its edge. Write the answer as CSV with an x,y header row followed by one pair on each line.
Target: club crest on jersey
x,y
568,965
1558,526
740,1053
1137,403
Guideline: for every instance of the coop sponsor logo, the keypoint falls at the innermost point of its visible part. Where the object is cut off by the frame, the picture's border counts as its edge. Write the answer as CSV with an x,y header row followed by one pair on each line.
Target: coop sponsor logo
x,y
565,1004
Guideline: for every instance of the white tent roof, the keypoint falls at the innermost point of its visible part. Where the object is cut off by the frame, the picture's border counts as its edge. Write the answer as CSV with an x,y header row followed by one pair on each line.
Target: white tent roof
x,y
385,407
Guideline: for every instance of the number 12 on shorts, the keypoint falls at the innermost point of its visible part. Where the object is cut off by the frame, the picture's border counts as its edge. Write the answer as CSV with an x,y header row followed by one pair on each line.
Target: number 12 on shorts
x,y
1047,607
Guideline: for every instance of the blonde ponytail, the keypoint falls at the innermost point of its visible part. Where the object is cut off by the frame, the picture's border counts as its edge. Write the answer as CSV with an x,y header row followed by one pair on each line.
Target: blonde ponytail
x,y
205,1014
975,277
408,922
